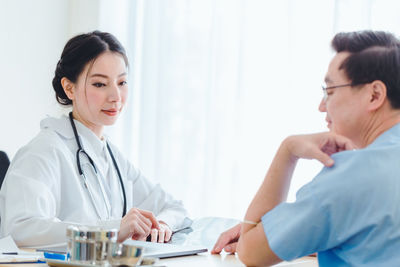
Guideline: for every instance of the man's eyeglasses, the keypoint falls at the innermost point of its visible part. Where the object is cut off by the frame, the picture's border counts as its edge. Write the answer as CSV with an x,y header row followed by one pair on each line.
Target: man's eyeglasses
x,y
325,88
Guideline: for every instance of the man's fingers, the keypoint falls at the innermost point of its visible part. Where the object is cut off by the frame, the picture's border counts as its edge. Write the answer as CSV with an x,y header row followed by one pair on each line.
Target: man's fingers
x,y
323,158
337,143
231,235
216,250
345,144
217,247
334,144
231,248
222,241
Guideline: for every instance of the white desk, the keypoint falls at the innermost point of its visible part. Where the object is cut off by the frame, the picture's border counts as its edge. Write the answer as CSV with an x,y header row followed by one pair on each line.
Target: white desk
x,y
206,260
205,232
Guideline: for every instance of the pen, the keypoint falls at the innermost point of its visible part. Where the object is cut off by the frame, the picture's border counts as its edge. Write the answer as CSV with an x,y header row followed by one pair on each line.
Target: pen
x,y
10,253
185,230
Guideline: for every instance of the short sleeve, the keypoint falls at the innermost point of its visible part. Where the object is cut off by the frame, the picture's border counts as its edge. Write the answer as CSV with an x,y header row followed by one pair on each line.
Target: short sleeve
x,y
296,229
326,212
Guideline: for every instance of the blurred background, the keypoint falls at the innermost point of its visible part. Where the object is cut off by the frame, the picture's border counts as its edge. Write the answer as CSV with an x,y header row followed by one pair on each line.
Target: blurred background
x,y
215,85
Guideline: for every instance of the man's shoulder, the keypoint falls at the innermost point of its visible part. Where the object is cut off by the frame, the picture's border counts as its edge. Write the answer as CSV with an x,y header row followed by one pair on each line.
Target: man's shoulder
x,y
360,172
364,164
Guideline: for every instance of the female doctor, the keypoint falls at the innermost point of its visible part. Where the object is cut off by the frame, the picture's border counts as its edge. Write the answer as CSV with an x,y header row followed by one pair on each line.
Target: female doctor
x,y
70,173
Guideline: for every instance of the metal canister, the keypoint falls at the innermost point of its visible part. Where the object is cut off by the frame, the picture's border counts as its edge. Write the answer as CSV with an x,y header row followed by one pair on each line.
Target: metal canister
x,y
90,245
124,255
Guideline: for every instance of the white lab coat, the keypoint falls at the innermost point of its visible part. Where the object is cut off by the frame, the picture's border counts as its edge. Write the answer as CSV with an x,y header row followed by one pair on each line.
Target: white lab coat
x,y
43,193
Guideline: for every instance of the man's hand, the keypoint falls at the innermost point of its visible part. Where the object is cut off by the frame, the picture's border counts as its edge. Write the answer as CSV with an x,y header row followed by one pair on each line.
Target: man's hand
x,y
318,146
161,235
228,240
137,224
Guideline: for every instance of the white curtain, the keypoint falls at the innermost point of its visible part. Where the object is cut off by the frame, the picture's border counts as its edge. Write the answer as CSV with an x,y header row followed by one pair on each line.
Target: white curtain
x,y
216,85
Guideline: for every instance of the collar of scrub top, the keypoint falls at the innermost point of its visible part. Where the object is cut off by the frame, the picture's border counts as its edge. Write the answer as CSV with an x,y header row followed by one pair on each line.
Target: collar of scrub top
x,y
98,146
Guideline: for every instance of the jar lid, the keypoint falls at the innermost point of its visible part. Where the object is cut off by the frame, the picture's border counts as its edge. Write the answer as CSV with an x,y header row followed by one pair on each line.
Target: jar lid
x,y
95,233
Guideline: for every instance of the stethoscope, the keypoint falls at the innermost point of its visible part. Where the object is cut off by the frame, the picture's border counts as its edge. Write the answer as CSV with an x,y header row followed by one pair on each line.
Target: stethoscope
x,y
80,152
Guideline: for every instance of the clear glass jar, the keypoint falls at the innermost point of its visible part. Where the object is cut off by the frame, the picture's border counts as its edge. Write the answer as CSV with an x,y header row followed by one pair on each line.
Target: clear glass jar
x,y
90,245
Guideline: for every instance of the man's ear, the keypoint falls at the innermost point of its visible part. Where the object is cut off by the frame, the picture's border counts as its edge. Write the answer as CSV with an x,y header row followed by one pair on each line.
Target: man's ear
x,y
377,96
69,88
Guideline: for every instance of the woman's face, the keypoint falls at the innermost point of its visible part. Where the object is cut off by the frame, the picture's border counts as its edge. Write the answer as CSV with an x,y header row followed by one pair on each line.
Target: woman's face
x,y
100,92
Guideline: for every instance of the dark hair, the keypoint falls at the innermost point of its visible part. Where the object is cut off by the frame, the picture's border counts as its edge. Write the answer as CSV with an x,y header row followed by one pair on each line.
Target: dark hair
x,y
375,55
79,51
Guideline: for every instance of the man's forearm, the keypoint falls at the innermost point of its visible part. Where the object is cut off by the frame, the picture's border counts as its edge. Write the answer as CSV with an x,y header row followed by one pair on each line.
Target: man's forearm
x,y
275,187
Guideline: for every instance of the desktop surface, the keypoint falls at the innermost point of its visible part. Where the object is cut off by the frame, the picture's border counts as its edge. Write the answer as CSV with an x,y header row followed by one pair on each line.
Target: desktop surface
x,y
205,232
206,259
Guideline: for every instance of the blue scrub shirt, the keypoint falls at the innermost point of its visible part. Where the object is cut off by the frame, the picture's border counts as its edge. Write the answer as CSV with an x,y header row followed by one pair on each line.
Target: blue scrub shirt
x,y
349,213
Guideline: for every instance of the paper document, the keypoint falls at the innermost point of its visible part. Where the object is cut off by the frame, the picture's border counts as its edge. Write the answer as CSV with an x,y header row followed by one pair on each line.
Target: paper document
x,y
7,245
10,253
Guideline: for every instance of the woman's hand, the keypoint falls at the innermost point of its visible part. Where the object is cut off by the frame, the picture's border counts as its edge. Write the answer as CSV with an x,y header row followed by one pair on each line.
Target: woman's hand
x,y
137,224
318,146
161,235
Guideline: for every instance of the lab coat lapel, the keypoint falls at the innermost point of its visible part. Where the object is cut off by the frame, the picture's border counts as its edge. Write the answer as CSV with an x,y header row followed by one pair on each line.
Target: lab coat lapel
x,y
93,146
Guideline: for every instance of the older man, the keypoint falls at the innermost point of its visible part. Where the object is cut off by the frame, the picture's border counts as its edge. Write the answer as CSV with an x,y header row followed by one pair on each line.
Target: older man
x,y
350,212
